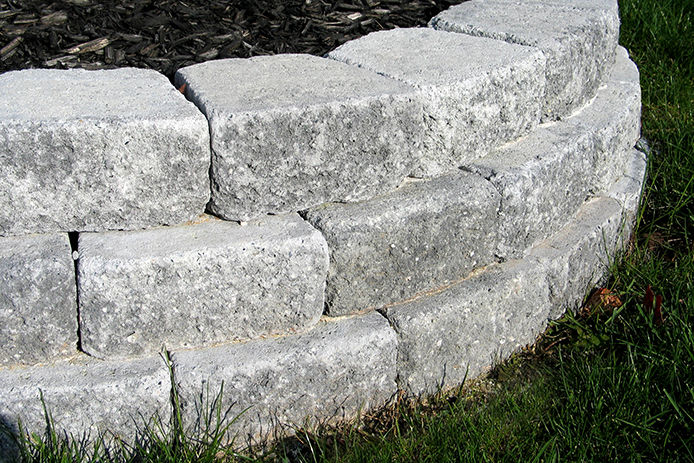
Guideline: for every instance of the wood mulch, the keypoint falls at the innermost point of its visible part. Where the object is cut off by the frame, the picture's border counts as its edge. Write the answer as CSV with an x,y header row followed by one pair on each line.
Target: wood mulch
x,y
168,34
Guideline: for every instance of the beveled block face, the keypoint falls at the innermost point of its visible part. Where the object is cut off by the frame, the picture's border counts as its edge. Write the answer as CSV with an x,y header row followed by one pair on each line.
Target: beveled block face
x,y
294,131
98,150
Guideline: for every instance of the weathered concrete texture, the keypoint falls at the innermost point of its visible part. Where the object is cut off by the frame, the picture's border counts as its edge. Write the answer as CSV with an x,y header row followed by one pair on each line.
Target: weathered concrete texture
x,y
334,371
614,120
578,256
298,131
479,92
447,337
544,177
96,150
38,307
85,396
196,285
542,180
419,237
578,39
627,190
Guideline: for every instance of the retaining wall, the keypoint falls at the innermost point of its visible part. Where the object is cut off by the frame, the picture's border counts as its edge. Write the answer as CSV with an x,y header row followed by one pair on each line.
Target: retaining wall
x,y
396,215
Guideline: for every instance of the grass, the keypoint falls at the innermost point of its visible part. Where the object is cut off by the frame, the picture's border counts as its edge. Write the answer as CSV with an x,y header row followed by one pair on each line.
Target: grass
x,y
611,383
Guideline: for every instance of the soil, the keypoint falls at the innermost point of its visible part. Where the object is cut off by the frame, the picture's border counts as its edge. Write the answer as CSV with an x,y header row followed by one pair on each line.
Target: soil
x,y
166,35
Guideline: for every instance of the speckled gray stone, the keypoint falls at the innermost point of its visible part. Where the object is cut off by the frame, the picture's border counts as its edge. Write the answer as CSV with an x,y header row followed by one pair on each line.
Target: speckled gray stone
x,y
38,307
628,188
85,396
447,337
577,257
332,372
96,150
421,236
479,93
542,180
614,120
196,285
578,39
293,131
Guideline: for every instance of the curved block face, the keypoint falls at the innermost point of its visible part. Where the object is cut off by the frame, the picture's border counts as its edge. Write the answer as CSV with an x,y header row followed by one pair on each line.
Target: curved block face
x,y
198,285
577,38
578,256
297,131
85,396
478,93
448,337
97,150
332,372
421,236
38,306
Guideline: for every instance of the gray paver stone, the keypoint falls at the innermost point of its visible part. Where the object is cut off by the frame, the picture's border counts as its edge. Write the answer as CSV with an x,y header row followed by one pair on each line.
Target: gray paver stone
x,y
578,40
453,335
542,180
478,93
544,177
38,307
421,236
200,284
96,150
298,131
332,372
614,120
85,396
578,256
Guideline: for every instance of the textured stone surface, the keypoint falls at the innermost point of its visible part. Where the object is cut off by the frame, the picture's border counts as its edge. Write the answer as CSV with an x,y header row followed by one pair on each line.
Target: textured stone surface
x,y
196,285
479,92
337,369
38,307
297,131
627,190
578,39
447,337
421,236
85,396
577,257
613,119
542,180
95,150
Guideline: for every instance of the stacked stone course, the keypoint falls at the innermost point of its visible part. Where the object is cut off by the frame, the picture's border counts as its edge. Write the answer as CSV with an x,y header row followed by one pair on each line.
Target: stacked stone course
x,y
435,196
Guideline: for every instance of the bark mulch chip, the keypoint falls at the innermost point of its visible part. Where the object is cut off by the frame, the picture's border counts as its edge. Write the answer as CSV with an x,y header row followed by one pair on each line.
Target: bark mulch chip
x,y
166,35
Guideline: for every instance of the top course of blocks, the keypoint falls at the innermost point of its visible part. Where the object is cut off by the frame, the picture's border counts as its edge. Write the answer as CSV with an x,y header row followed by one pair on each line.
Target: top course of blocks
x,y
98,150
578,38
289,132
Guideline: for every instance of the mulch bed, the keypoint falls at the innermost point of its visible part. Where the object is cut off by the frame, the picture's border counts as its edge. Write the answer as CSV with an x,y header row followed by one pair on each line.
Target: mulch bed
x,y
168,34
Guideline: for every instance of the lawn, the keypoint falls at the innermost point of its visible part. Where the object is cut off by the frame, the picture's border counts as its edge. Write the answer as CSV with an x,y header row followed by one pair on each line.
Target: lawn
x,y
613,383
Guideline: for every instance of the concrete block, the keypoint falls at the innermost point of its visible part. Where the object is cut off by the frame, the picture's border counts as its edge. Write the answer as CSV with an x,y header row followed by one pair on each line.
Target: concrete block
x,y
447,337
479,93
625,69
578,39
542,180
628,189
96,150
197,285
419,237
298,131
85,397
578,256
613,119
38,306
332,372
